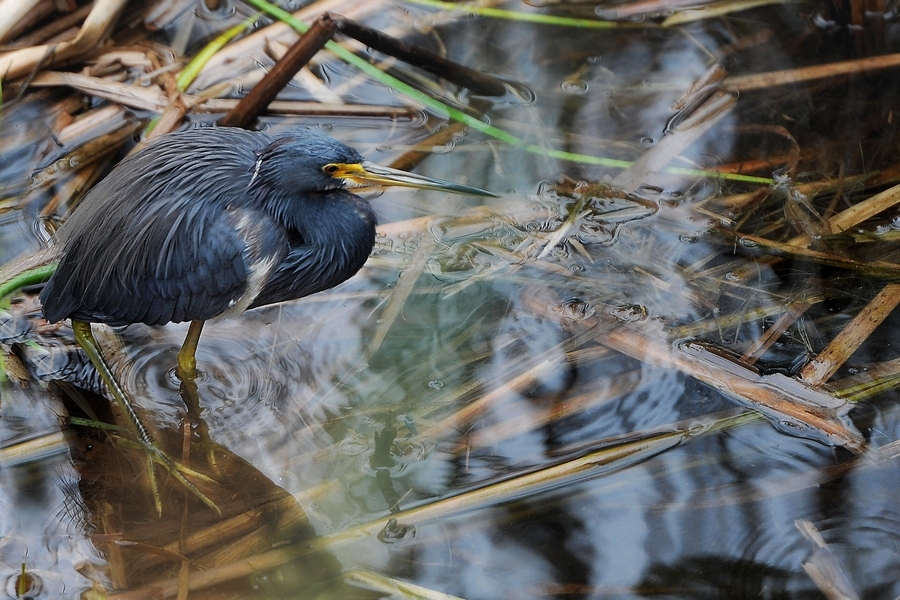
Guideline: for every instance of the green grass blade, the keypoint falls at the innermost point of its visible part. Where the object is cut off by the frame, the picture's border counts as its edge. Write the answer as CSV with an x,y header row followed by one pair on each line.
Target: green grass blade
x,y
30,277
542,19
189,73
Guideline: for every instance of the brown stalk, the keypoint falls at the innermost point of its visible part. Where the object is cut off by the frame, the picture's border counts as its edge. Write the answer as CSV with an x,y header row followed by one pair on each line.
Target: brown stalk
x,y
851,337
479,83
218,67
122,93
877,268
606,391
400,293
534,369
321,31
866,209
762,344
289,107
746,83
741,202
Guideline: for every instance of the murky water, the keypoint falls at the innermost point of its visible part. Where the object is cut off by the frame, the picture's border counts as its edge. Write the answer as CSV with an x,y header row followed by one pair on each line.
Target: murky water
x,y
552,394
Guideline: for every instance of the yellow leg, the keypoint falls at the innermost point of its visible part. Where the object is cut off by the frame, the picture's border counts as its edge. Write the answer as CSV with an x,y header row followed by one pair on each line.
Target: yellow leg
x,y
85,338
187,356
187,373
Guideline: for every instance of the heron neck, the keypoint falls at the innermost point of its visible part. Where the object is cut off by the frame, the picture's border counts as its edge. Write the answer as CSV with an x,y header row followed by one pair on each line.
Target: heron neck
x,y
323,217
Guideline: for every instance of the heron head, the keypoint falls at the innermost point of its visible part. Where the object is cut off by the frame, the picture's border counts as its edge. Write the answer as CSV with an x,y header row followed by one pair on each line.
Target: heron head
x,y
309,161
297,162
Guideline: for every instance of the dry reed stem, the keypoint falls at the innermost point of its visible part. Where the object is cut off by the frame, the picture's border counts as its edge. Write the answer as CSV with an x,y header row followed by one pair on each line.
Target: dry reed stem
x,y
520,379
218,534
34,449
310,109
866,209
395,588
216,575
151,99
712,10
408,278
733,320
96,27
781,397
823,567
851,337
757,81
117,570
762,344
80,183
646,170
155,100
58,26
81,164
93,123
795,250
305,78
887,370
13,12
842,221
739,202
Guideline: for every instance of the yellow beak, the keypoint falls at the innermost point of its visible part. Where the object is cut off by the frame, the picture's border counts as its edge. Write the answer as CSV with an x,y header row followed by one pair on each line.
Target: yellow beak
x,y
367,173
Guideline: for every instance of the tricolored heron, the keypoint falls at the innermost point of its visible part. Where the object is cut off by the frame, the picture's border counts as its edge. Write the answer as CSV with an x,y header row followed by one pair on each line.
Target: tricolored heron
x,y
209,222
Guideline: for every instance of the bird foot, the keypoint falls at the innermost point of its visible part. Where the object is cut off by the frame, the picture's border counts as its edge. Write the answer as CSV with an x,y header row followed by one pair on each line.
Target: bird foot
x,y
177,470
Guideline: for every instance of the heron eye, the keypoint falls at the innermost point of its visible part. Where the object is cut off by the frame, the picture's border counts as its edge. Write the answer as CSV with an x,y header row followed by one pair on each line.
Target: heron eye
x,y
331,169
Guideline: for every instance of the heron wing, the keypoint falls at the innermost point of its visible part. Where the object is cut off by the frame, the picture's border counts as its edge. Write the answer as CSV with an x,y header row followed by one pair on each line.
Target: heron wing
x,y
193,266
168,239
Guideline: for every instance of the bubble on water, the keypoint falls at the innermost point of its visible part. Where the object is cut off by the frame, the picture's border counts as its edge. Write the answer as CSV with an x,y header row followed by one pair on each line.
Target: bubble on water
x,y
435,384
649,190
574,86
748,243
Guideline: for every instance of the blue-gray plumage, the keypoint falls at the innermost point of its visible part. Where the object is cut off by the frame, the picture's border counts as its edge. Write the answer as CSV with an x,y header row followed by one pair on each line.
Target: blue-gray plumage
x,y
210,222
207,223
